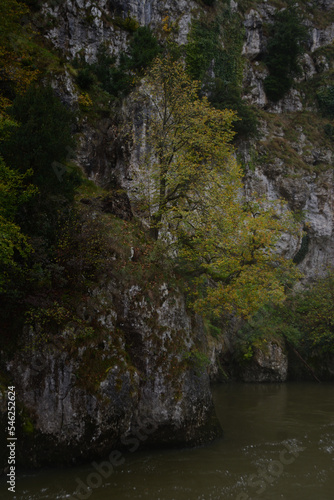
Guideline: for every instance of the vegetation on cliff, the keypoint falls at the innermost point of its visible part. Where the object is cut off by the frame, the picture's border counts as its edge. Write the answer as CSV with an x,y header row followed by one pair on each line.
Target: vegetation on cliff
x,y
218,245
304,322
285,45
192,196
213,57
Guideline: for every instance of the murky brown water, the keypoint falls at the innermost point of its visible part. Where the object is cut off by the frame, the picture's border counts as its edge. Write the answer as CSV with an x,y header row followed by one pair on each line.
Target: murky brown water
x,y
278,444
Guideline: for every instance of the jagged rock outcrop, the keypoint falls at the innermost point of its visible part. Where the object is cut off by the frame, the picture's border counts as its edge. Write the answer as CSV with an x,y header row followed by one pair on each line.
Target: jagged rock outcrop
x,y
321,37
102,153
269,364
266,364
309,194
80,398
86,25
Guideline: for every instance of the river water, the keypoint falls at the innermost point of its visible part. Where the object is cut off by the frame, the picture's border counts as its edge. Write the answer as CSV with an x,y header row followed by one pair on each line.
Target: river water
x,y
278,444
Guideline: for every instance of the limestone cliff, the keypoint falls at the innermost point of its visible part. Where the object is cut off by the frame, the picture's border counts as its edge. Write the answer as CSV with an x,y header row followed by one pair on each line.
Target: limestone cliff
x,y
138,379
292,158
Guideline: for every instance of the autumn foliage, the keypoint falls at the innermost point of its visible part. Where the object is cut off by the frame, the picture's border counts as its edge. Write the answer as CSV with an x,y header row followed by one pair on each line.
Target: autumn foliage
x,y
193,199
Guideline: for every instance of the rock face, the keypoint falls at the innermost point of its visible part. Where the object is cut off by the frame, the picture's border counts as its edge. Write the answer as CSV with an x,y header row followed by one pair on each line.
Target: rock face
x,y
86,25
311,195
139,380
102,154
297,169
322,37
267,365
292,161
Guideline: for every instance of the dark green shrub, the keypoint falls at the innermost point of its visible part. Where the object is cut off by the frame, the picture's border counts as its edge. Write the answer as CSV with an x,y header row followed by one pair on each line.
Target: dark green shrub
x,y
305,320
114,78
271,323
276,86
44,136
329,130
228,96
314,312
117,78
286,38
326,101
225,89
144,47
202,48
85,78
102,67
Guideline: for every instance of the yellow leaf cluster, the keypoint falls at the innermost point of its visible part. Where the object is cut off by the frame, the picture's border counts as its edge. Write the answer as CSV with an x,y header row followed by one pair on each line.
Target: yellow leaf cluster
x,y
85,100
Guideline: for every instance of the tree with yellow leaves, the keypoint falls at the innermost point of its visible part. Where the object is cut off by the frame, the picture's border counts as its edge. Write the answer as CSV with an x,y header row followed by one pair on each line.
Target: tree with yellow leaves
x,y
188,143
15,77
193,198
14,191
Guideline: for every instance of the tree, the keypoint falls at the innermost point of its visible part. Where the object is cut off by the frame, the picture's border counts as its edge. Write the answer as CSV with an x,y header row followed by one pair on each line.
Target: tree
x,y
313,314
285,45
16,67
43,136
235,249
186,137
40,143
192,197
13,192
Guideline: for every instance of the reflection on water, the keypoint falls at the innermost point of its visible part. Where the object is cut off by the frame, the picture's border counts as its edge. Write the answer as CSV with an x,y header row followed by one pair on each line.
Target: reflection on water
x,y
278,444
